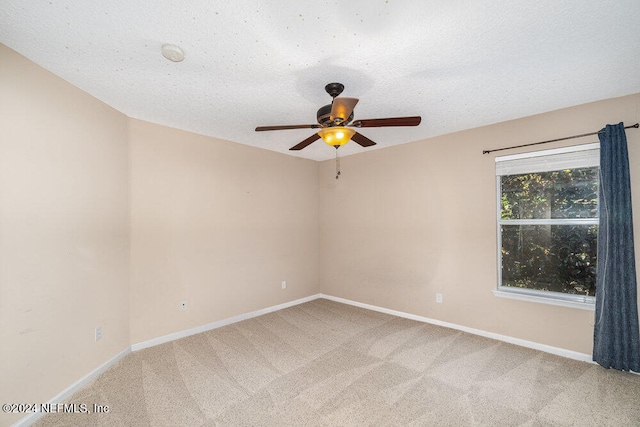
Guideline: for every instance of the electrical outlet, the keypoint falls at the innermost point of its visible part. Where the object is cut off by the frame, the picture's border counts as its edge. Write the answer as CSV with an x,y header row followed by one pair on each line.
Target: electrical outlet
x,y
284,284
439,298
98,333
183,306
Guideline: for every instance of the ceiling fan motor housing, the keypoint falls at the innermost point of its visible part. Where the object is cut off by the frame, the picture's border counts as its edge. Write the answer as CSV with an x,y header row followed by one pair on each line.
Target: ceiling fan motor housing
x,y
324,116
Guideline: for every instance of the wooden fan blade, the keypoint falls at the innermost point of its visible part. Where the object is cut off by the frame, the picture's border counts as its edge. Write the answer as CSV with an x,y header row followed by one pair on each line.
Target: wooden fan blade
x,y
390,121
306,142
342,108
283,127
362,140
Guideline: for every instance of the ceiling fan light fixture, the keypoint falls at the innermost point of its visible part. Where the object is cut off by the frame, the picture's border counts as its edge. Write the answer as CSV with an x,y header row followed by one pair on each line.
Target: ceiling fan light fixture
x,y
336,135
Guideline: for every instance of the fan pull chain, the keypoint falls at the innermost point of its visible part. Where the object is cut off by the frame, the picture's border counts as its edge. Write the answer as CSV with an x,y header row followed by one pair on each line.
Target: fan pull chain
x,y
337,164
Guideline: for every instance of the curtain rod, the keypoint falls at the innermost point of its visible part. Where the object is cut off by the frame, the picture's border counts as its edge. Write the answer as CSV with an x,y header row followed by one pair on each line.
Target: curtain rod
x,y
553,140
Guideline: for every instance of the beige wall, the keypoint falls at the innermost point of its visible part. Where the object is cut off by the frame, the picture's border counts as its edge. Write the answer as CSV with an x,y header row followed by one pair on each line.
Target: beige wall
x,y
216,224
85,191
407,222
64,232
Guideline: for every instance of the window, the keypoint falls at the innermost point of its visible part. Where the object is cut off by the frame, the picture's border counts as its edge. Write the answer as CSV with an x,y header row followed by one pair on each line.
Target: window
x,y
547,214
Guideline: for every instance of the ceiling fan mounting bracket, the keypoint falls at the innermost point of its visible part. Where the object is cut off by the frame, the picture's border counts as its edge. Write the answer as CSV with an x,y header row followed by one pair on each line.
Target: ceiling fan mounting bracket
x,y
334,89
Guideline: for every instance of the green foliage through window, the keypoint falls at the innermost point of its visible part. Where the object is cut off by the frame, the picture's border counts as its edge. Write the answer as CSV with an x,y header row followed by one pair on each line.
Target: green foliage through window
x,y
548,228
570,193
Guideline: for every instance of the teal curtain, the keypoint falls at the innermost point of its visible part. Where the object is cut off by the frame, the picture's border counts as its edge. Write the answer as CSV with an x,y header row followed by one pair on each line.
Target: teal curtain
x,y
616,333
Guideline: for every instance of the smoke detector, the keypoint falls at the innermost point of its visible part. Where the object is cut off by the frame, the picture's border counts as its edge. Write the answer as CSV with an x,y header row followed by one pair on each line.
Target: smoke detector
x,y
172,52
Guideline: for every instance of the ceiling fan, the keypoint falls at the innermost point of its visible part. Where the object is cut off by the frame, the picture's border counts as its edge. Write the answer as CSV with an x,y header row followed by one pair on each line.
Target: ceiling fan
x,y
336,125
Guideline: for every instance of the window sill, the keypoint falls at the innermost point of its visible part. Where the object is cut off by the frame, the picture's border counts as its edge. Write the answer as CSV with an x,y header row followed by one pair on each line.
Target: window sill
x,y
586,305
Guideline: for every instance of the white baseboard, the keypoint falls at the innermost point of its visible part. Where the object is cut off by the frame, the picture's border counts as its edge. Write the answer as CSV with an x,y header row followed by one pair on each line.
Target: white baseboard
x,y
68,392
517,341
511,340
224,322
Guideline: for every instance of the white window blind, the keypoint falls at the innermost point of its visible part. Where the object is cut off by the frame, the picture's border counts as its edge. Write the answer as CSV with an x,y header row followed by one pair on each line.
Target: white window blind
x,y
581,156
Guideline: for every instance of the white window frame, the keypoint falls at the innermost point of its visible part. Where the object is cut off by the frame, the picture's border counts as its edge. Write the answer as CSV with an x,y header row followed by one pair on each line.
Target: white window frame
x,y
580,156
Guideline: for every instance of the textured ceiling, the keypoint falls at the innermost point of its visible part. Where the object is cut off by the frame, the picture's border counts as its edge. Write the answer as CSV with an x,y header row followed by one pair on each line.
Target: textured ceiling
x,y
458,64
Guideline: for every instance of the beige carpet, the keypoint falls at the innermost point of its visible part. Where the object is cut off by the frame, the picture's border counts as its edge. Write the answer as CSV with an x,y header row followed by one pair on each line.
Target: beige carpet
x,y
329,364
